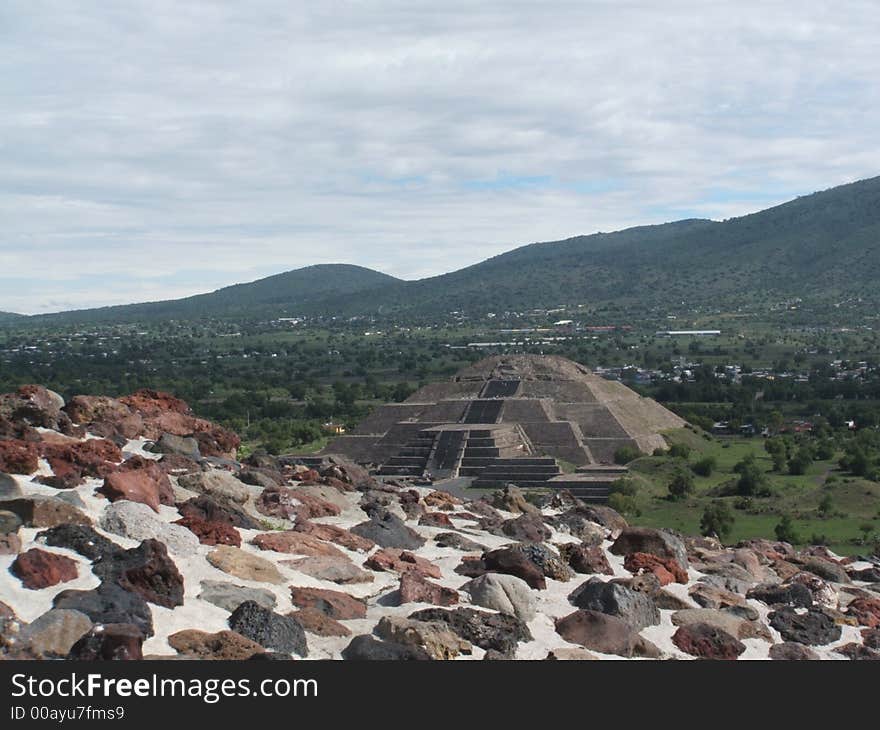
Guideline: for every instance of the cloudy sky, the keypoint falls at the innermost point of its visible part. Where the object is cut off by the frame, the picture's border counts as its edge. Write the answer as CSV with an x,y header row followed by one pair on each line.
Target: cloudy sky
x,y
151,149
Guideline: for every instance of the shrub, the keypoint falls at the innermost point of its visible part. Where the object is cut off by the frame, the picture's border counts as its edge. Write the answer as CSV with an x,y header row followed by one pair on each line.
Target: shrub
x,y
681,484
626,486
743,503
800,461
680,451
785,531
717,520
626,454
625,504
752,480
705,466
826,506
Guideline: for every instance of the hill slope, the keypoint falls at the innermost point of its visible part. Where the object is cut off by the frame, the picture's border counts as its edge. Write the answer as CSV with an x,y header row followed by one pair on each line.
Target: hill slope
x,y
823,247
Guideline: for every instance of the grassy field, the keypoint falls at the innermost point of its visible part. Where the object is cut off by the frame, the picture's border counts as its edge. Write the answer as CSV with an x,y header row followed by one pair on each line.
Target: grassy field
x,y
855,501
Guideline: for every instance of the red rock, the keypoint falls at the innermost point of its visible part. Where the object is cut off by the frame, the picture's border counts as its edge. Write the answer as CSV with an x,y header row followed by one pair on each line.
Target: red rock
x,y
135,486
211,533
309,476
395,560
335,604
442,500
105,416
436,519
332,533
318,623
866,611
18,457
40,569
156,472
315,506
667,570
72,461
281,502
707,642
298,543
415,588
154,402
339,484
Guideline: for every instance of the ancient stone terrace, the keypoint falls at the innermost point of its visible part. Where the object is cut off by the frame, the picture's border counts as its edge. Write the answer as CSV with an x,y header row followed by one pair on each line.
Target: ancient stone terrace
x,y
515,419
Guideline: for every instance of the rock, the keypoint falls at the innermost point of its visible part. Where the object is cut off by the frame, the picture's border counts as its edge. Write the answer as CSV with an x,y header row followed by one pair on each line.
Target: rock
x,y
506,561
436,519
871,638
571,654
707,642
586,559
316,622
517,560
146,570
81,539
865,610
725,620
335,570
821,592
637,609
211,533
321,500
237,562
814,627
457,542
109,642
483,509
527,528
138,522
400,561
433,637
215,483
230,596
109,604
168,443
490,631
603,515
10,543
648,540
334,604
387,530
667,570
217,509
790,651
270,630
415,588
578,523
790,594
72,498
604,633
729,576
826,569
858,652
105,417
19,457
134,486
71,461
40,511
298,543
260,478
9,522
505,593
9,488
512,499
51,635
221,646
332,533
708,596
40,569
366,648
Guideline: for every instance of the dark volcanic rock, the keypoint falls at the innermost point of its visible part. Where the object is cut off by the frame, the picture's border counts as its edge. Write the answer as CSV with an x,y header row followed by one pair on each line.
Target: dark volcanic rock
x,y
81,539
217,509
458,542
9,488
109,603
367,648
40,511
388,530
109,642
146,570
587,559
269,629
497,631
858,652
40,569
791,594
528,527
790,651
637,609
648,540
815,627
707,642
603,633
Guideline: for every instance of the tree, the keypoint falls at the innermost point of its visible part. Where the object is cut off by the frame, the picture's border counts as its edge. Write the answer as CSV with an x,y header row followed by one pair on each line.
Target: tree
x,y
681,484
717,520
752,480
800,461
705,466
785,531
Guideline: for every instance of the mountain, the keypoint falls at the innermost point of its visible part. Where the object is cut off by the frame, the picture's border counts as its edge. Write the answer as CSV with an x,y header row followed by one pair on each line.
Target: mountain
x,y
9,317
823,248
278,295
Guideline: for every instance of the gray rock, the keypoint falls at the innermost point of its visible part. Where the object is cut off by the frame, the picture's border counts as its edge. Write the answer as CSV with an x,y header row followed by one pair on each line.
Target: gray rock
x,y
649,540
368,648
230,596
815,627
604,633
217,483
388,530
109,604
505,593
458,542
328,567
168,443
72,498
636,608
139,522
9,488
270,630
54,633
826,570
9,522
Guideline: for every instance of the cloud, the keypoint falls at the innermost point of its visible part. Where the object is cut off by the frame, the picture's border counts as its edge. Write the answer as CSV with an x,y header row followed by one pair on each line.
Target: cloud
x,y
156,149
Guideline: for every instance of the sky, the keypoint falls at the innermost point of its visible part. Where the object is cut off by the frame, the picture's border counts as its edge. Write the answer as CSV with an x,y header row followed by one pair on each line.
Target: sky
x,y
152,149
